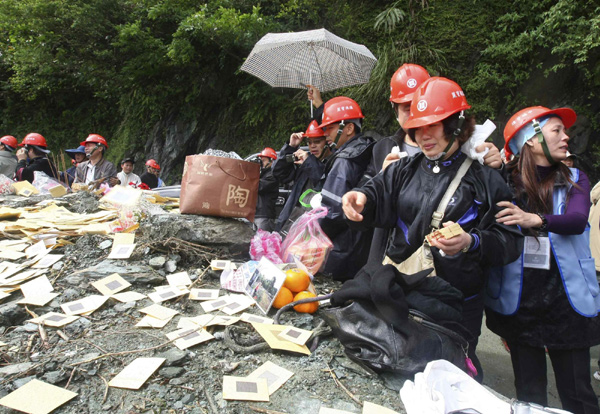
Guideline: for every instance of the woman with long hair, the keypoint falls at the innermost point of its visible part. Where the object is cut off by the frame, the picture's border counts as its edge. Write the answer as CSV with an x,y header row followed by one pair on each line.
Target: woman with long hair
x,y
549,297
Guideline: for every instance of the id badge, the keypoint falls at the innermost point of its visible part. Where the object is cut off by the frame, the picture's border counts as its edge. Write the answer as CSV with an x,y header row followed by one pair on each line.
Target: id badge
x,y
536,254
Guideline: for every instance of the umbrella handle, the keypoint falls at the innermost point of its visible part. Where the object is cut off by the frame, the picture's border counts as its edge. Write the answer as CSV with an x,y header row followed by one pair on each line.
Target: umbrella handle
x,y
311,101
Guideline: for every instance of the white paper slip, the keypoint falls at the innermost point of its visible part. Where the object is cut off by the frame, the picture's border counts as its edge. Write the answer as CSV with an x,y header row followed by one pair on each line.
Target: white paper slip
x,y
185,338
275,375
136,373
84,306
111,284
204,294
250,318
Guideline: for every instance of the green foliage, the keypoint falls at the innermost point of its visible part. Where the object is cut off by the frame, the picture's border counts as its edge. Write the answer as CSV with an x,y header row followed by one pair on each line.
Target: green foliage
x,y
122,67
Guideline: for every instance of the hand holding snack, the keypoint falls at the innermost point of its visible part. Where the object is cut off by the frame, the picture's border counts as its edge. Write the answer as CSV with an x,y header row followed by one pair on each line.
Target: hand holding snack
x,y
450,239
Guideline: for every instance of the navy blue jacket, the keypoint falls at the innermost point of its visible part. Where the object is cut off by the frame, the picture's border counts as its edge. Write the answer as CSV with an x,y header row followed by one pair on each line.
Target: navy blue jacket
x,y
345,171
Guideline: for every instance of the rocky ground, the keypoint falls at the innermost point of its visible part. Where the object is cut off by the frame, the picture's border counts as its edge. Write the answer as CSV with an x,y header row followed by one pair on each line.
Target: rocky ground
x,y
189,381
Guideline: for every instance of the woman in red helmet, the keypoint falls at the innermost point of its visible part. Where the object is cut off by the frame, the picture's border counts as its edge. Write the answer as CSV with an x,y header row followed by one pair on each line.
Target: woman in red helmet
x,y
34,157
268,190
405,195
549,297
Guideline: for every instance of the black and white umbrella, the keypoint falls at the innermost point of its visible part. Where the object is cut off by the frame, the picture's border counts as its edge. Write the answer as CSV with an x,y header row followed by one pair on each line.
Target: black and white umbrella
x,y
313,57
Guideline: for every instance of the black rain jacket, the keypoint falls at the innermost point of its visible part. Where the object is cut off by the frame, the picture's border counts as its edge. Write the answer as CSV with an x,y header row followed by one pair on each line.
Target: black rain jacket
x,y
406,194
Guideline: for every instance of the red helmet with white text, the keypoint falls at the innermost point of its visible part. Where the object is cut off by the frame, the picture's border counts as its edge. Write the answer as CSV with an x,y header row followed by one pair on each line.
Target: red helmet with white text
x,y
435,100
340,109
9,141
405,82
34,138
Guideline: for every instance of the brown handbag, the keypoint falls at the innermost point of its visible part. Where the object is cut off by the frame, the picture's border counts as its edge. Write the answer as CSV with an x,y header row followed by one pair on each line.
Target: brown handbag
x,y
218,186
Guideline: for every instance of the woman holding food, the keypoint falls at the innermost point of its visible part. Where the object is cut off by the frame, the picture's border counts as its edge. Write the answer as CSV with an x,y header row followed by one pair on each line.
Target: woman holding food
x,y
406,194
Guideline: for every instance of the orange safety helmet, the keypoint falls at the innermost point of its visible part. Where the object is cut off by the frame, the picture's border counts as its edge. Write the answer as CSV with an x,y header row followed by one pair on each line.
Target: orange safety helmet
x,y
268,152
521,125
340,109
153,164
313,130
435,100
34,138
405,82
9,141
98,139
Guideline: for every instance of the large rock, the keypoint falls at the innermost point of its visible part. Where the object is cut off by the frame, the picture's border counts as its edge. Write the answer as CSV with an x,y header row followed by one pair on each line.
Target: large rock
x,y
231,235
133,272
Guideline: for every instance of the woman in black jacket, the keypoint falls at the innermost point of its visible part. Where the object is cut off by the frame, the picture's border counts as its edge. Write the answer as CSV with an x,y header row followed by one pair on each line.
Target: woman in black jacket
x,y
407,193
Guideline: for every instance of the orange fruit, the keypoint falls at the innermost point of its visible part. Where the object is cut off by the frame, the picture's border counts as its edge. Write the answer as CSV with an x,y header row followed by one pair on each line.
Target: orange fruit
x,y
296,280
306,307
284,297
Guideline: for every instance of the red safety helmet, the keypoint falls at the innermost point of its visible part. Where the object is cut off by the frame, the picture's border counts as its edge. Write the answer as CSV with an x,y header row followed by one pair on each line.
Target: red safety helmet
x,y
268,152
313,131
435,100
98,139
340,109
34,138
9,141
153,164
527,115
405,82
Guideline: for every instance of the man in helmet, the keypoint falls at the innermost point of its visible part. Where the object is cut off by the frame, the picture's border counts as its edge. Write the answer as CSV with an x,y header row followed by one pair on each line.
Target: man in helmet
x,y
8,161
34,157
127,176
303,168
97,169
342,122
268,190
77,156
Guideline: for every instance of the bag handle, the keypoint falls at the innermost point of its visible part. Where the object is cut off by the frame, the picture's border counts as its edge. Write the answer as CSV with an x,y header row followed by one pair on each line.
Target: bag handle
x,y
426,321
438,214
231,175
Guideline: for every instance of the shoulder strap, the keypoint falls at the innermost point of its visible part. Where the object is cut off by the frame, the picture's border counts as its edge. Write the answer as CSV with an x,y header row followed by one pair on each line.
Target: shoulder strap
x,y
438,215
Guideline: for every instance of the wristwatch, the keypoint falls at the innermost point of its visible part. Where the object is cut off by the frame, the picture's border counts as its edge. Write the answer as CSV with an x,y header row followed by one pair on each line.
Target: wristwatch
x,y
468,246
544,222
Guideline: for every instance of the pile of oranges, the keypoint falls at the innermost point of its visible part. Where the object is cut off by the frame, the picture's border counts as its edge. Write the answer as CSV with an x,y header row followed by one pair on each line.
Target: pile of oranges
x,y
295,288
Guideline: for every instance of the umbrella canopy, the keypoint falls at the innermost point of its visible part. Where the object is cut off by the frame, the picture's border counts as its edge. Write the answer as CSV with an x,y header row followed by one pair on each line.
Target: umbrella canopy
x,y
314,57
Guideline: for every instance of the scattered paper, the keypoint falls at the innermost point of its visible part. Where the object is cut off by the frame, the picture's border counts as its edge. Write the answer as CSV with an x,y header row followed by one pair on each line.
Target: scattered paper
x,y
55,320
167,294
38,300
121,251
84,306
152,322
128,296
159,312
204,294
123,238
47,260
111,284
216,304
295,335
136,373
36,249
189,337
181,279
25,188
270,334
9,254
237,303
221,264
37,397
275,375
247,389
